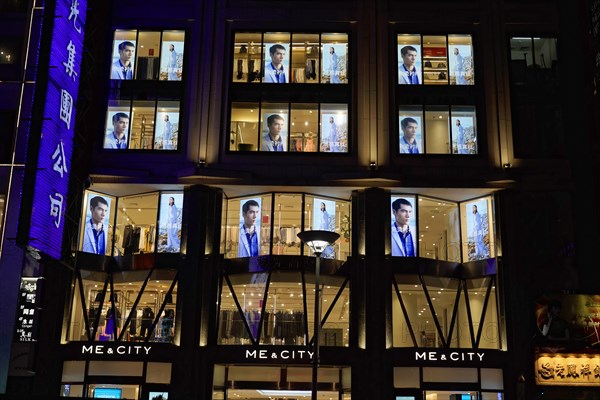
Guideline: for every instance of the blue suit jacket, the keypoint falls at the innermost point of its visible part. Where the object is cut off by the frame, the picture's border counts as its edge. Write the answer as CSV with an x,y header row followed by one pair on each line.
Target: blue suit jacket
x,y
397,249
403,76
243,245
89,243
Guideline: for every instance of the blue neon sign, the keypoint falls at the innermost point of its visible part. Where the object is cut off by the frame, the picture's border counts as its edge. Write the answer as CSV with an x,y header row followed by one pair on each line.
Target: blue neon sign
x,y
56,144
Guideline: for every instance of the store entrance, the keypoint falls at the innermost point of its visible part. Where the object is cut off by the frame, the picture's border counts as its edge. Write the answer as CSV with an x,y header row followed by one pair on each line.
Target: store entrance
x,y
255,394
448,395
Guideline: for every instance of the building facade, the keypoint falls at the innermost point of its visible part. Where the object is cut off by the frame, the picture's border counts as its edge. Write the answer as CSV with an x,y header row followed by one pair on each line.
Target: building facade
x,y
158,252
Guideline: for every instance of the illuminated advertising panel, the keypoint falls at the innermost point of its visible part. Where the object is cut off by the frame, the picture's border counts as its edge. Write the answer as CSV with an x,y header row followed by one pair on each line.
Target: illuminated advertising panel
x,y
58,126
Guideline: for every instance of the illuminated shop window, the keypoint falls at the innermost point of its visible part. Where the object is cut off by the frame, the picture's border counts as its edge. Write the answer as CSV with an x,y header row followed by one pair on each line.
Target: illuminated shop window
x,y
147,55
285,127
277,308
142,124
124,306
441,229
128,225
444,312
250,221
435,59
437,130
284,57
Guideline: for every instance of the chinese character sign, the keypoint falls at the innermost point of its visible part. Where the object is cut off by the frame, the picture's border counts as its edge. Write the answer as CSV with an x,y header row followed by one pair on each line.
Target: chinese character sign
x,y
56,144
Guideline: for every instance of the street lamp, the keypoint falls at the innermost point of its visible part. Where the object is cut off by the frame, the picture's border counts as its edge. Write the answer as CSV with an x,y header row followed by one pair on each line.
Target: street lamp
x,y
318,242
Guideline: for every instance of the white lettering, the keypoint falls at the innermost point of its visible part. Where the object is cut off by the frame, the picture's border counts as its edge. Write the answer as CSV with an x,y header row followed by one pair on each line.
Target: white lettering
x,y
99,350
59,159
470,356
70,63
137,349
286,352
454,356
250,354
420,356
66,107
86,349
56,207
147,349
480,355
262,354
433,355
301,352
121,350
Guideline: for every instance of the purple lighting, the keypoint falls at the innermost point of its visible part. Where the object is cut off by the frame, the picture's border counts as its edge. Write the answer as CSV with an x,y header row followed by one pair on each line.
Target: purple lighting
x,y
56,144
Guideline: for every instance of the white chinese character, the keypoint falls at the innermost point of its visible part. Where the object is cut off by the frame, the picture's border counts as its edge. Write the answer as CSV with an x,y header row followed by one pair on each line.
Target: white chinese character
x,y
74,14
66,107
56,207
70,64
60,164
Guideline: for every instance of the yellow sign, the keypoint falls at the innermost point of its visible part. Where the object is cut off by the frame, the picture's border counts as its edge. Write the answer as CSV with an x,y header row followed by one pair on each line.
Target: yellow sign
x,y
568,369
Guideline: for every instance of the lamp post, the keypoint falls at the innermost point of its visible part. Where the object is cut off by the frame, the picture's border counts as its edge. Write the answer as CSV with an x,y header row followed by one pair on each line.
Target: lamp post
x,y
318,242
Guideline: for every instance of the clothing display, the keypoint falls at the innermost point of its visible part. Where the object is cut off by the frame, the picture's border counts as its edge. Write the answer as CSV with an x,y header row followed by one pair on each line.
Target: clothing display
x,y
281,327
147,319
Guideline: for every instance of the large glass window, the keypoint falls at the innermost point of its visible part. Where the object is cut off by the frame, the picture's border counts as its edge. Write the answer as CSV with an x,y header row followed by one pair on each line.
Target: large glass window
x,y
283,57
314,117
250,222
147,55
441,229
435,59
277,308
437,130
130,223
284,127
136,224
436,311
124,306
149,124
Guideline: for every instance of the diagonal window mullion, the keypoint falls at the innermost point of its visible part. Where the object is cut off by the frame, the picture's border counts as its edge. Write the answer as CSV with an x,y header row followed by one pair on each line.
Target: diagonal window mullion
x,y
337,296
239,307
115,316
454,311
469,316
305,305
483,312
432,309
99,312
410,329
86,315
263,307
135,303
162,306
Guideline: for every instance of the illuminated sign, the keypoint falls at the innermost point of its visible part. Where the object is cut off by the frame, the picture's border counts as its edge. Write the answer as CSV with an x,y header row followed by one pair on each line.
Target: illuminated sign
x,y
27,313
56,144
119,350
456,356
567,369
281,355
